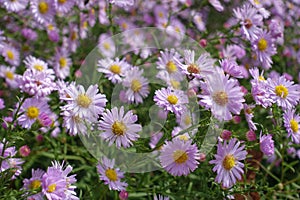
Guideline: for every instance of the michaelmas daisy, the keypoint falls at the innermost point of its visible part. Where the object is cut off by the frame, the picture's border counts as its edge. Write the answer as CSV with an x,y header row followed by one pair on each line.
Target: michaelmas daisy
x,y
292,124
119,127
110,175
227,162
179,157
43,10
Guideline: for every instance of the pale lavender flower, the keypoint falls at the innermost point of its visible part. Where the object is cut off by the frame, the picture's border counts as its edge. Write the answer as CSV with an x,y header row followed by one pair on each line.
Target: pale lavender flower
x,y
222,95
283,92
137,85
15,5
250,21
227,162
8,73
56,184
122,3
75,124
34,183
259,88
232,68
38,83
114,70
233,52
119,127
160,197
249,115
10,162
11,55
64,6
32,108
267,144
86,104
217,5
43,10
62,63
171,100
110,175
264,47
179,157
199,68
292,124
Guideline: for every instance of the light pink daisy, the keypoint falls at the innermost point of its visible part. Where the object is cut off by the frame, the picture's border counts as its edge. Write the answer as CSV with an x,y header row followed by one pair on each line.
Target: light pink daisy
x,y
86,104
119,127
110,175
136,84
283,92
227,162
292,124
171,100
32,109
222,95
43,10
199,68
113,70
8,73
11,55
179,157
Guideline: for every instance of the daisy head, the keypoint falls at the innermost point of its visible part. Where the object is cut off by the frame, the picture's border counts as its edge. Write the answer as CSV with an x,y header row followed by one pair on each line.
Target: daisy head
x,y
15,5
179,157
267,144
113,70
8,73
137,85
35,64
199,68
64,6
227,162
32,108
62,63
166,62
292,124
119,127
106,46
283,92
86,104
110,175
171,100
11,55
34,183
222,95
43,10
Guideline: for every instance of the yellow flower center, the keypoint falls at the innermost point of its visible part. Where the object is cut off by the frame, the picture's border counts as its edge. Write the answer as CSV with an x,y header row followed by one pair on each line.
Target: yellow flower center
x,y
248,111
175,84
85,24
136,85
111,174
10,54
62,1
43,7
116,69
9,75
38,67
171,67
106,45
51,188
294,125
262,44
180,156
187,120
183,137
229,162
160,14
50,27
73,36
220,98
35,184
118,128
32,112
192,68
63,62
172,99
83,101
261,78
124,25
281,91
